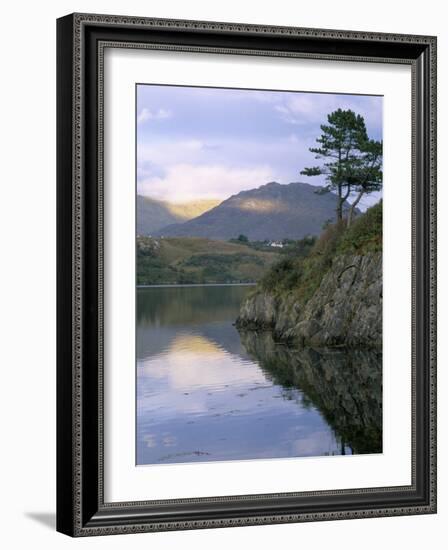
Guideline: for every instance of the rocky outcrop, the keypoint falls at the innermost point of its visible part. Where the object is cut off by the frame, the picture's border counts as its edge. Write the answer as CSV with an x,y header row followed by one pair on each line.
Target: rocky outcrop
x,y
345,310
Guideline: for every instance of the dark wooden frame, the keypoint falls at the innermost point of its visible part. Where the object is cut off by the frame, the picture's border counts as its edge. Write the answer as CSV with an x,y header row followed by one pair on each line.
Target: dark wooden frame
x,y
81,510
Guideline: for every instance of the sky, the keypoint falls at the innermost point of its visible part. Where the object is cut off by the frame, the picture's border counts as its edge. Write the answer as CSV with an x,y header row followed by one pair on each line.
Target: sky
x,y
211,143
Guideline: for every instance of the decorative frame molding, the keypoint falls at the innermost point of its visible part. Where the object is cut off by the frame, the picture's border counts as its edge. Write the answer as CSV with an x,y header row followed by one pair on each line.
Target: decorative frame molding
x,y
81,42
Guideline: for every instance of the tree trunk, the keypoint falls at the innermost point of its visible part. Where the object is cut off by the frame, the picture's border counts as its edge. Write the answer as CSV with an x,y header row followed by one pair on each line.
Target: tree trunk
x,y
339,204
341,200
339,210
352,208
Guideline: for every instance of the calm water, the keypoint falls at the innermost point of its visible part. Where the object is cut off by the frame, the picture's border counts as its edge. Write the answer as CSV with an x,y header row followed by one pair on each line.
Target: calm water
x,y
205,392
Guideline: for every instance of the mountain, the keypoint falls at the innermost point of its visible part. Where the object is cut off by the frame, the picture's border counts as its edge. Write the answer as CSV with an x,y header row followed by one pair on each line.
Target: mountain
x,y
272,211
153,214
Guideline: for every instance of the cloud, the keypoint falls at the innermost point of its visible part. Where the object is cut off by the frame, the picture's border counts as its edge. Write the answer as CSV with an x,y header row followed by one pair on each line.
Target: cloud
x,y
312,109
225,141
245,163
298,109
184,182
163,153
145,115
234,152
191,358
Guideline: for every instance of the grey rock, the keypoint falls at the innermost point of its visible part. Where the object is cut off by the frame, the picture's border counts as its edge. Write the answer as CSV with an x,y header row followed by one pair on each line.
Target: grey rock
x,y
346,309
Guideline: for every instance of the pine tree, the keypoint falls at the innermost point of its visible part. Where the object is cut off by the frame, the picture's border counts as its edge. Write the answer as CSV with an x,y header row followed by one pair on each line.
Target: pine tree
x,y
352,161
367,173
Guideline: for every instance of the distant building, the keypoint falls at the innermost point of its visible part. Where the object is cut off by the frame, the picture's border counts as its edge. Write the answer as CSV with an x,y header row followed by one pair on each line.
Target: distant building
x,y
276,244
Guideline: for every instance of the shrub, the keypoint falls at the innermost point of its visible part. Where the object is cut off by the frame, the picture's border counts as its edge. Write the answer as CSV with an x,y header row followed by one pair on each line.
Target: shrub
x,y
283,275
303,274
365,234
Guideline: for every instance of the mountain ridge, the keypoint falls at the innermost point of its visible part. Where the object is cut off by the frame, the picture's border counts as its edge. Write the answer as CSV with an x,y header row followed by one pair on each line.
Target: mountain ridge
x,y
272,211
153,214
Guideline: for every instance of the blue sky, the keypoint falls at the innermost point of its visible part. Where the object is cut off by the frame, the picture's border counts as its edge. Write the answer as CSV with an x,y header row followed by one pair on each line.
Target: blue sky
x,y
197,143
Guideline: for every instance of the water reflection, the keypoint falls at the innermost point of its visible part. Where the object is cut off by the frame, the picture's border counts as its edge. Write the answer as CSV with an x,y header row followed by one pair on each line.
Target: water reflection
x,y
345,385
205,393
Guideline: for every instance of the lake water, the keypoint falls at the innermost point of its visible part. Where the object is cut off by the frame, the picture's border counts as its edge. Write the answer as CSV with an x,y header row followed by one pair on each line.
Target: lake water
x,y
206,393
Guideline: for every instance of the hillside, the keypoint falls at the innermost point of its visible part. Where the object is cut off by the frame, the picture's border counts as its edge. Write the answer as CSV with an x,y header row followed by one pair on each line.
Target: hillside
x,y
152,214
332,297
195,260
272,211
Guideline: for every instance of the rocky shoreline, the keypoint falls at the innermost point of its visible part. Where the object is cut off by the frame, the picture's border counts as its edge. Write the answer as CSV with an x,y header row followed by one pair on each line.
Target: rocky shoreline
x,y
345,310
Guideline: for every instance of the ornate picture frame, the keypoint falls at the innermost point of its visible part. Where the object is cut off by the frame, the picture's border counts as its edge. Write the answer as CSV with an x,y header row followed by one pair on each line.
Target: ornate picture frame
x,y
81,506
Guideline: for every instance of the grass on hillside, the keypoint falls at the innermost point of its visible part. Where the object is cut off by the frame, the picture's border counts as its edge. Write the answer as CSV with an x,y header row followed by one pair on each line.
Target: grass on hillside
x,y
186,260
303,275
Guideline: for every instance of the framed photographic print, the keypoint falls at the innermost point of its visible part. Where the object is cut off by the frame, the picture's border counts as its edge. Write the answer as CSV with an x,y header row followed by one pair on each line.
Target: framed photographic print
x,y
246,274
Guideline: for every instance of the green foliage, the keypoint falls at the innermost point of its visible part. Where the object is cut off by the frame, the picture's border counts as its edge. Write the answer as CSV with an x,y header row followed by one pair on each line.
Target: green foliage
x,y
298,267
185,260
283,275
352,163
319,261
220,260
242,238
302,275
366,234
338,145
300,248
146,247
